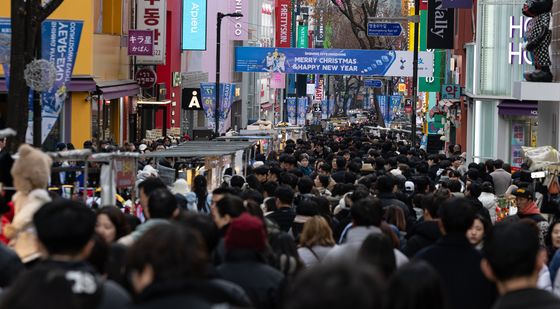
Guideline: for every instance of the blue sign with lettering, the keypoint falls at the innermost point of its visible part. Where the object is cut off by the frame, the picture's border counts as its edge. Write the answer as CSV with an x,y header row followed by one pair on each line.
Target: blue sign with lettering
x,y
194,25
384,29
331,61
373,83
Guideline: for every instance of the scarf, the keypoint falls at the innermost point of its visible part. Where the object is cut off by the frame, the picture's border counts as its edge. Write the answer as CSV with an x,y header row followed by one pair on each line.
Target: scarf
x,y
532,209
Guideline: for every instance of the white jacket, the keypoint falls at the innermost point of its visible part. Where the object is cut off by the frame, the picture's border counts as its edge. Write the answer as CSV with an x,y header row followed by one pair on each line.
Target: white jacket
x,y
489,202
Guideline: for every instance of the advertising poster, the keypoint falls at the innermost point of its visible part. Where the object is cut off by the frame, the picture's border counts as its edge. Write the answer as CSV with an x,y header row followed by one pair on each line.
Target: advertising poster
x,y
209,104
301,110
517,141
331,61
292,110
194,25
394,107
382,102
59,45
331,105
324,109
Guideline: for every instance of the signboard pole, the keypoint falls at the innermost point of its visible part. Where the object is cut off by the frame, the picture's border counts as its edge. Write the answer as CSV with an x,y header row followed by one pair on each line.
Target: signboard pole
x,y
414,79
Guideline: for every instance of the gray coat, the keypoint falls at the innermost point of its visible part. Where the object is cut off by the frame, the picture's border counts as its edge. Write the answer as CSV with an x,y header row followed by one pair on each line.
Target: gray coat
x,y
502,181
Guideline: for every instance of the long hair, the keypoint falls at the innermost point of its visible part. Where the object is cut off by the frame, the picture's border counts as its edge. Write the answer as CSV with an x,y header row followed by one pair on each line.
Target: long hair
x,y
316,232
200,189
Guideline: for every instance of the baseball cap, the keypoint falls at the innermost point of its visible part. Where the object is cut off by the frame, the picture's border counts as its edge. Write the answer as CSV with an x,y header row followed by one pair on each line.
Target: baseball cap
x,y
409,186
523,192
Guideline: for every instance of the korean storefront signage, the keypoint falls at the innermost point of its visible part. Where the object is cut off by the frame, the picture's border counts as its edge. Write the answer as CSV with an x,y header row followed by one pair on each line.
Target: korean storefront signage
x,y
452,91
146,78
239,30
284,23
331,61
140,42
151,15
440,26
194,25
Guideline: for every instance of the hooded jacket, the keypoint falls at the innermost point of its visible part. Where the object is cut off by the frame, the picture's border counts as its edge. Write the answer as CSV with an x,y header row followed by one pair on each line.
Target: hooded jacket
x,y
422,236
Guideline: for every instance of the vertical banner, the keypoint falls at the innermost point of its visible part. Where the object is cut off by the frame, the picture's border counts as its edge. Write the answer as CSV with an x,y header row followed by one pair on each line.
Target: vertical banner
x,y
239,26
151,15
194,25
324,109
301,111
394,107
348,105
226,100
283,23
383,106
59,45
292,110
332,103
302,37
320,37
5,47
278,81
209,103
440,26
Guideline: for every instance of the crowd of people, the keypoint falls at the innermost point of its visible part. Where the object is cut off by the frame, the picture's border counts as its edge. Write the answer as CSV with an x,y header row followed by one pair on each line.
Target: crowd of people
x,y
342,220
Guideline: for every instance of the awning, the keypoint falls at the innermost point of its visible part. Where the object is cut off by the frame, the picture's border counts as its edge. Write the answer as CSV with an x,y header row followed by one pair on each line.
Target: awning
x,y
518,108
118,88
202,149
266,106
76,84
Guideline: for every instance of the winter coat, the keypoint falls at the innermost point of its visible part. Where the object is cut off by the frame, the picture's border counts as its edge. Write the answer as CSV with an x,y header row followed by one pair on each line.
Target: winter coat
x,y
140,230
284,217
314,255
389,199
192,202
176,294
10,266
260,281
528,298
501,180
489,202
22,235
422,236
458,264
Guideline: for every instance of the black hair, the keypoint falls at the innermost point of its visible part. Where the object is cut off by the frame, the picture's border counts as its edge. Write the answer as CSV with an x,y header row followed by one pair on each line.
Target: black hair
x,y
64,226
230,205
457,215
205,225
548,238
173,251
377,250
252,195
385,183
359,194
454,185
117,218
424,292
261,170
254,183
99,255
475,189
325,167
151,184
224,191
285,194
305,185
512,259
270,188
487,187
367,212
348,286
340,163
162,204
499,163
289,179
237,181
307,207
200,188
324,180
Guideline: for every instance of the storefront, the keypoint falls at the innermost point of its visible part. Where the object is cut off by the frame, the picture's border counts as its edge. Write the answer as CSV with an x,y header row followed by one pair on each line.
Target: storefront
x,y
521,118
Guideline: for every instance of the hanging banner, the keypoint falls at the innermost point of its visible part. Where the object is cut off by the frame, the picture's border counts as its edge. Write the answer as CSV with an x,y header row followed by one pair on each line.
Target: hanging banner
x,y
332,61
238,26
320,37
382,102
278,81
302,36
440,26
59,45
291,107
5,47
394,107
324,109
433,83
151,15
283,23
332,103
301,110
227,92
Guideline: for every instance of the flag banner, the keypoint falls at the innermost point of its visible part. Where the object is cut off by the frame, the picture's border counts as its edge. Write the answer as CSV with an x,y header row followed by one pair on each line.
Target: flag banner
x,y
291,106
301,110
332,61
59,45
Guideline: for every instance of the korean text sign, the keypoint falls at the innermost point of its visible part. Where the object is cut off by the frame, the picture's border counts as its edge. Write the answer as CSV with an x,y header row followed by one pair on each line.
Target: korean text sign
x,y
151,15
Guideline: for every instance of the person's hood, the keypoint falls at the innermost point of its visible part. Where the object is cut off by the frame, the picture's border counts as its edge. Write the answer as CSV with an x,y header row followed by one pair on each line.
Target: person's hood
x,y
358,234
428,229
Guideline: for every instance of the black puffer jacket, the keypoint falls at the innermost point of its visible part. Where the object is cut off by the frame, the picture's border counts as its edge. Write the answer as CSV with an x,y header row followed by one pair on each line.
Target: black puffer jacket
x,y
175,294
423,235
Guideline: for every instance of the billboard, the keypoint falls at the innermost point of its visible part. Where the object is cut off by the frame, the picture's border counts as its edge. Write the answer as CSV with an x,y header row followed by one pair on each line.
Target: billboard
x,y
151,15
331,61
194,25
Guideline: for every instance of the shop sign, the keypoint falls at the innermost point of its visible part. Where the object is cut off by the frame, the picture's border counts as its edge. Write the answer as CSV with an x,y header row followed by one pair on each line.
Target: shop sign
x,y
319,90
440,26
518,52
240,30
146,78
140,42
284,22
191,99
452,91
151,15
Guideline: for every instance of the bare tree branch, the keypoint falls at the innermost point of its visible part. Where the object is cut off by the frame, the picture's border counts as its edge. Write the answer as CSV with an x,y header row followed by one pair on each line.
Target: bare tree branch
x,y
47,10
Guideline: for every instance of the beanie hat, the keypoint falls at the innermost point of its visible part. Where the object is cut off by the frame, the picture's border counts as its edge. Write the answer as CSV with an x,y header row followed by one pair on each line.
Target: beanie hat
x,y
33,167
246,232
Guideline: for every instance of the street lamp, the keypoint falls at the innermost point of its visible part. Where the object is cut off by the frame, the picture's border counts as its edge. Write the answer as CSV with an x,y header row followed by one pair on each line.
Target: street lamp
x,y
218,39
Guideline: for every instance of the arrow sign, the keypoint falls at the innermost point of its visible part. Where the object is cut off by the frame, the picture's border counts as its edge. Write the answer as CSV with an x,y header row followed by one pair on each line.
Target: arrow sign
x,y
384,29
373,83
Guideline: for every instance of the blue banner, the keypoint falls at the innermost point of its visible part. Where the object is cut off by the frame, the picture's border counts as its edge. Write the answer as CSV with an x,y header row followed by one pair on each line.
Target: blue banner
x,y
331,61
291,106
301,110
348,105
332,103
60,40
208,96
324,109
382,102
5,47
394,107
194,25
